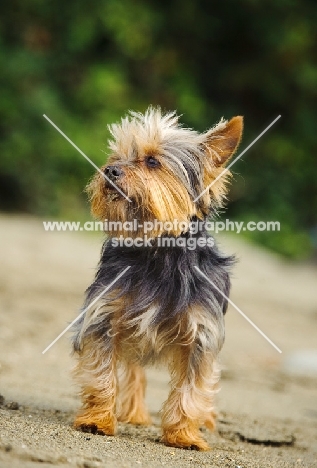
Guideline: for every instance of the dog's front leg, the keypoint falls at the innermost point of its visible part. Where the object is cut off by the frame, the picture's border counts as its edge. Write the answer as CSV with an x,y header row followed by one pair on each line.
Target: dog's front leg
x,y
195,374
96,374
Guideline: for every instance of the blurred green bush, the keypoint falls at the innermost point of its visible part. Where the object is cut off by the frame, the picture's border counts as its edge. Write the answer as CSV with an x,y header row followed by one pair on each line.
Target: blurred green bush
x,y
84,64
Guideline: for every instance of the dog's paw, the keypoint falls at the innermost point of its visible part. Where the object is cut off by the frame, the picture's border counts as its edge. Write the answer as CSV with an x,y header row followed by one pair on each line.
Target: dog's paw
x,y
138,419
210,423
180,439
105,426
91,428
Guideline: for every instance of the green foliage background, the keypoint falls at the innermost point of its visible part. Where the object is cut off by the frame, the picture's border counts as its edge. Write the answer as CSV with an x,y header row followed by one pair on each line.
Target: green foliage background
x,y
84,64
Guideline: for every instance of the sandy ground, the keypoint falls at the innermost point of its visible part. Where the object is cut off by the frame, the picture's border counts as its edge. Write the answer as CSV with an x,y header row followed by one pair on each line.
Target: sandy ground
x,y
267,415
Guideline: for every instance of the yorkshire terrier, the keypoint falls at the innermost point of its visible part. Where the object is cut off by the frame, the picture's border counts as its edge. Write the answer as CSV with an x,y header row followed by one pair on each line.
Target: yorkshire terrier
x,y
162,309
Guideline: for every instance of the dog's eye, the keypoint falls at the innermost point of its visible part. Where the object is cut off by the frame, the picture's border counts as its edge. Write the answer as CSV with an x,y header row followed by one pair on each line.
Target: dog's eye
x,y
152,162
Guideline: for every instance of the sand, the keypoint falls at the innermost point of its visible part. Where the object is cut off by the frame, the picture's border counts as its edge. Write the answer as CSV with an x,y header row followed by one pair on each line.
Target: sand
x,y
267,403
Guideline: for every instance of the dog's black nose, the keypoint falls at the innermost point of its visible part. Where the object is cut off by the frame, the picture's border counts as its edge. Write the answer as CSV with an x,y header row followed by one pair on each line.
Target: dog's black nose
x,y
113,172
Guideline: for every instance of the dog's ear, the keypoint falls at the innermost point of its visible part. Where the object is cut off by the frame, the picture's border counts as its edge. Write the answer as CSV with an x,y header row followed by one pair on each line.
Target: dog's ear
x,y
222,140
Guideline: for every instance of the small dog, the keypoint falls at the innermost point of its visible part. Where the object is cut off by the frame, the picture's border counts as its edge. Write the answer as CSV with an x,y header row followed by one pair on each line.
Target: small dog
x,y
161,310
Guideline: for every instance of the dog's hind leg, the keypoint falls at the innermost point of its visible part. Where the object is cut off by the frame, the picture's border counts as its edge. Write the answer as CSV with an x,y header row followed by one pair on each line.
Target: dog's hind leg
x,y
132,390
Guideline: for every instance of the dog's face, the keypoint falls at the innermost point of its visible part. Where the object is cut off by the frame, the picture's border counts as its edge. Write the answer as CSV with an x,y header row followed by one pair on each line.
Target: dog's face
x,y
162,168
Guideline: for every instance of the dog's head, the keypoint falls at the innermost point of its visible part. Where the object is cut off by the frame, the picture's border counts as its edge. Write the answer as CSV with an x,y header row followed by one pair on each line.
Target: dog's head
x,y
159,170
